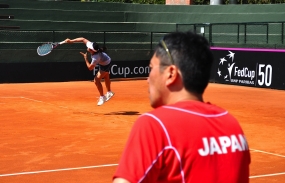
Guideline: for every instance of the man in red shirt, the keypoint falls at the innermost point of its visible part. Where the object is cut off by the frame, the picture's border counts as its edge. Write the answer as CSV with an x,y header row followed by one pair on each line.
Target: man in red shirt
x,y
183,139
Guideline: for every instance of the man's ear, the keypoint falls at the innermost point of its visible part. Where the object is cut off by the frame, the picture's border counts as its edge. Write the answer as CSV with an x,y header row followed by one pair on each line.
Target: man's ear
x,y
172,74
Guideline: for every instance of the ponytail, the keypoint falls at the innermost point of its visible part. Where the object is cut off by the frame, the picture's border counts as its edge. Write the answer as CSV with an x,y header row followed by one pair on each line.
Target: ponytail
x,y
103,49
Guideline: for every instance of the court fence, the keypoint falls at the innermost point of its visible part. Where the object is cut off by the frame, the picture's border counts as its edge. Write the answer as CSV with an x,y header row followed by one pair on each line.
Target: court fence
x,y
256,33
131,52
250,34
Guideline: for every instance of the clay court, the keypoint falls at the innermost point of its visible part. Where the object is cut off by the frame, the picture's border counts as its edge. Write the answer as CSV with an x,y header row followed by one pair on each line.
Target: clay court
x,y
55,132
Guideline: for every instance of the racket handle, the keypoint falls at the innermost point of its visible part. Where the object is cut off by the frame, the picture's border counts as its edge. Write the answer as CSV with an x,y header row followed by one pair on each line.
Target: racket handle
x,y
62,42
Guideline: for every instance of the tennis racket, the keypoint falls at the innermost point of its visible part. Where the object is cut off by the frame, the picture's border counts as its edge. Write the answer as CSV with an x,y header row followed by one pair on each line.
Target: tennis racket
x,y
46,48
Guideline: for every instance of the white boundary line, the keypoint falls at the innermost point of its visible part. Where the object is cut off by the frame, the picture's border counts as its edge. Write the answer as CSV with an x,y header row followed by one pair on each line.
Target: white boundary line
x,y
267,175
267,153
39,101
57,170
10,97
44,102
108,165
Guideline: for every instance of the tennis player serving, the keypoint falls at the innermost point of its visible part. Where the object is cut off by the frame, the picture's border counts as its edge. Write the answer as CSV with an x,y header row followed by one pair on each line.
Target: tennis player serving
x,y
183,139
98,56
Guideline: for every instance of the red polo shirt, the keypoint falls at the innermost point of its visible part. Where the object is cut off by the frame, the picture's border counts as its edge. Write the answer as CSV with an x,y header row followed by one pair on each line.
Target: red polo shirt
x,y
189,141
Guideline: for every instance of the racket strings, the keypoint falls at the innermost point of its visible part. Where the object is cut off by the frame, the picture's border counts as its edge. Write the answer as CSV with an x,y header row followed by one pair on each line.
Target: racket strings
x,y
44,49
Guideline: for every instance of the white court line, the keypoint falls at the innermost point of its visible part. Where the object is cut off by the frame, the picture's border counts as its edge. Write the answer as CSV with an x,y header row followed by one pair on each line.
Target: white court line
x,y
10,97
79,168
36,101
43,102
56,170
267,153
39,101
267,175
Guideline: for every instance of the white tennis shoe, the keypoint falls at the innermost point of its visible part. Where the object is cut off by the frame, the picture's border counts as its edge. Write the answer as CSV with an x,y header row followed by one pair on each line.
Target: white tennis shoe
x,y
101,100
109,95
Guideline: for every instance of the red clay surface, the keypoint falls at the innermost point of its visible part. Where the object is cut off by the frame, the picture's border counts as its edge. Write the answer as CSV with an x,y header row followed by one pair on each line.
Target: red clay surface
x,y
55,132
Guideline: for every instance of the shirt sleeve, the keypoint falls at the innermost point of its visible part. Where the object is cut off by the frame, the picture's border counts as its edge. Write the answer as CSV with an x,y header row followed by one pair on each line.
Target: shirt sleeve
x,y
141,159
94,61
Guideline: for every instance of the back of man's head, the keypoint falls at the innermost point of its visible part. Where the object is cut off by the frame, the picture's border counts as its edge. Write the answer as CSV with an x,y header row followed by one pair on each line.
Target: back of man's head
x,y
191,53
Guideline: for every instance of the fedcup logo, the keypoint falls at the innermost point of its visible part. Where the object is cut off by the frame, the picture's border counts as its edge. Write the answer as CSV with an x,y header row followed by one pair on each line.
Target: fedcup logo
x,y
223,62
231,72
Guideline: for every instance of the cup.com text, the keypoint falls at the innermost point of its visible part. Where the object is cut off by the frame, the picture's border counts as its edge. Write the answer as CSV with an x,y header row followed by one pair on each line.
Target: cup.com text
x,y
136,71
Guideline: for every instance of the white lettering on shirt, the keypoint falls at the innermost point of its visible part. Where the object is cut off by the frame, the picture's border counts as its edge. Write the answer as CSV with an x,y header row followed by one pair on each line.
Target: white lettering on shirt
x,y
214,146
223,144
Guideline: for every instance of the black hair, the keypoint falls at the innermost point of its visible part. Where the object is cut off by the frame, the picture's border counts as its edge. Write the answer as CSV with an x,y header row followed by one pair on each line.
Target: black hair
x,y
95,46
191,53
99,50
103,49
